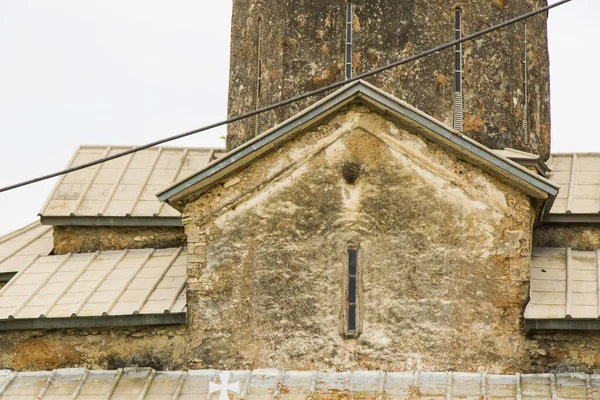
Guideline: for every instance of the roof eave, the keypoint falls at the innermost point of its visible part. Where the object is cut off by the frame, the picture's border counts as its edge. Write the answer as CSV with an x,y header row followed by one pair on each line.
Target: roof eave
x,y
562,324
111,221
111,321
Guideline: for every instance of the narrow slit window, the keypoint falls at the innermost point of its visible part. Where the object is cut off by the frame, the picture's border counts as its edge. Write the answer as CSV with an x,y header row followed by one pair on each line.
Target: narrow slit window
x,y
258,76
525,94
349,18
352,292
458,73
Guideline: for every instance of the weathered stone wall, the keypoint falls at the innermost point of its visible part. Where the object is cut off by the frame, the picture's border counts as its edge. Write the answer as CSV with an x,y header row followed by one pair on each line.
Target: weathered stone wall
x,y
161,347
584,237
87,239
444,257
303,49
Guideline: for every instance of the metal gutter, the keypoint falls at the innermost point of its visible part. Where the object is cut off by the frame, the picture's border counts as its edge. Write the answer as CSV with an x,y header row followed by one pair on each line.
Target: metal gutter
x,y
93,322
562,324
111,221
370,94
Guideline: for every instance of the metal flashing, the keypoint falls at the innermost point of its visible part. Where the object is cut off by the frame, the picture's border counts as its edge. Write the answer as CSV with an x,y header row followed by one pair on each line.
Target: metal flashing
x,y
111,221
110,321
562,324
572,219
468,149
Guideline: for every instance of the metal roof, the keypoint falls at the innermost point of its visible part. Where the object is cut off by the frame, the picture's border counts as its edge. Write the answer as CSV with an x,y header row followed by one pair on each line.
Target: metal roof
x,y
565,284
579,178
17,247
464,147
122,189
109,284
147,384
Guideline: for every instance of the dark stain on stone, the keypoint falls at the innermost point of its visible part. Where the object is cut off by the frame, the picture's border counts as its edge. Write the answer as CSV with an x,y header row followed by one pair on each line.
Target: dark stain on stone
x,y
351,171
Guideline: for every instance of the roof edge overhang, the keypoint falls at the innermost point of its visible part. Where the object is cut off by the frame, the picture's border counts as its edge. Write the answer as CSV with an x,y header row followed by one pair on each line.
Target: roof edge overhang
x,y
568,218
111,321
111,221
562,324
467,149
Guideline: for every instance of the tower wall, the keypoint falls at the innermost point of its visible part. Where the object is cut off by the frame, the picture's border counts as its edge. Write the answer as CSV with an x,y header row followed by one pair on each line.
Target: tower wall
x,y
303,49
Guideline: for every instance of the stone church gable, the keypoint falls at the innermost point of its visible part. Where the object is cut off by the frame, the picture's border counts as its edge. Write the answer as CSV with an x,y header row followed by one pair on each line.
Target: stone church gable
x,y
440,243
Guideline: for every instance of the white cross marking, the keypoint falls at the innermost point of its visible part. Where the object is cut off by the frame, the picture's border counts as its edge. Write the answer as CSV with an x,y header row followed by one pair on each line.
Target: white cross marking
x,y
224,387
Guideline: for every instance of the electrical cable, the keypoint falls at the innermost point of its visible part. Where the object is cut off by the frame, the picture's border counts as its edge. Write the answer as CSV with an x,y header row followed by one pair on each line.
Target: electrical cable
x,y
291,100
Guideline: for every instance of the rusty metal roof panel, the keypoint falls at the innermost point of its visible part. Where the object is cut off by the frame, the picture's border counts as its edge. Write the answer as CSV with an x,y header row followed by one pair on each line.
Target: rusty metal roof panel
x,y
124,187
564,284
579,178
148,384
19,247
111,283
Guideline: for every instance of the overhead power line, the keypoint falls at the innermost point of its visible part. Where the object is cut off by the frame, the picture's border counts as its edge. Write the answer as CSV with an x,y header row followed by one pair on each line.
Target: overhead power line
x,y
291,100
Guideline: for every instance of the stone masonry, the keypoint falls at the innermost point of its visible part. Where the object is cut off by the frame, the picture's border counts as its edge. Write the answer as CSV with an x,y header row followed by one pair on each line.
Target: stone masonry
x,y
445,254
303,50
88,239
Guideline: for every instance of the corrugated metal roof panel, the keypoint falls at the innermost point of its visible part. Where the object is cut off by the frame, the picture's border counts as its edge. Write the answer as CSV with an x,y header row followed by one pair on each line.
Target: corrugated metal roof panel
x,y
91,285
19,247
579,178
564,284
147,384
126,186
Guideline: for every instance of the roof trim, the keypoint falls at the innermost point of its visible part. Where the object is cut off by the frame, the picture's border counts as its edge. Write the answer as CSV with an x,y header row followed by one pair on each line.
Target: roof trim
x,y
562,324
93,322
569,218
526,180
111,221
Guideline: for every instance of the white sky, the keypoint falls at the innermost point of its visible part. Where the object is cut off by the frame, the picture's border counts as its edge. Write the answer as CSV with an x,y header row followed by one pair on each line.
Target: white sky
x,y
129,72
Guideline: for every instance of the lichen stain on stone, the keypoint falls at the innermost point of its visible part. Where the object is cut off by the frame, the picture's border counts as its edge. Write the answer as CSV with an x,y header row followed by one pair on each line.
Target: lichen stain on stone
x,y
440,81
473,122
330,77
501,3
45,354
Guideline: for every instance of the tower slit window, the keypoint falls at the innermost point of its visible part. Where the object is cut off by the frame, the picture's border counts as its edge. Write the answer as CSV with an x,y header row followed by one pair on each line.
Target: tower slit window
x,y
349,17
258,76
458,73
525,94
352,292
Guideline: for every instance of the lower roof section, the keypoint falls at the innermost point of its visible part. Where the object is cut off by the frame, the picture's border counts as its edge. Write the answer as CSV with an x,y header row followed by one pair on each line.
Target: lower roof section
x,y
61,289
565,285
147,384
123,187
18,247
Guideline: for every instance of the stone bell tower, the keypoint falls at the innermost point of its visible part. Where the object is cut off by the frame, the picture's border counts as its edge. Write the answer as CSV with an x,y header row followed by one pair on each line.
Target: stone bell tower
x,y
283,48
